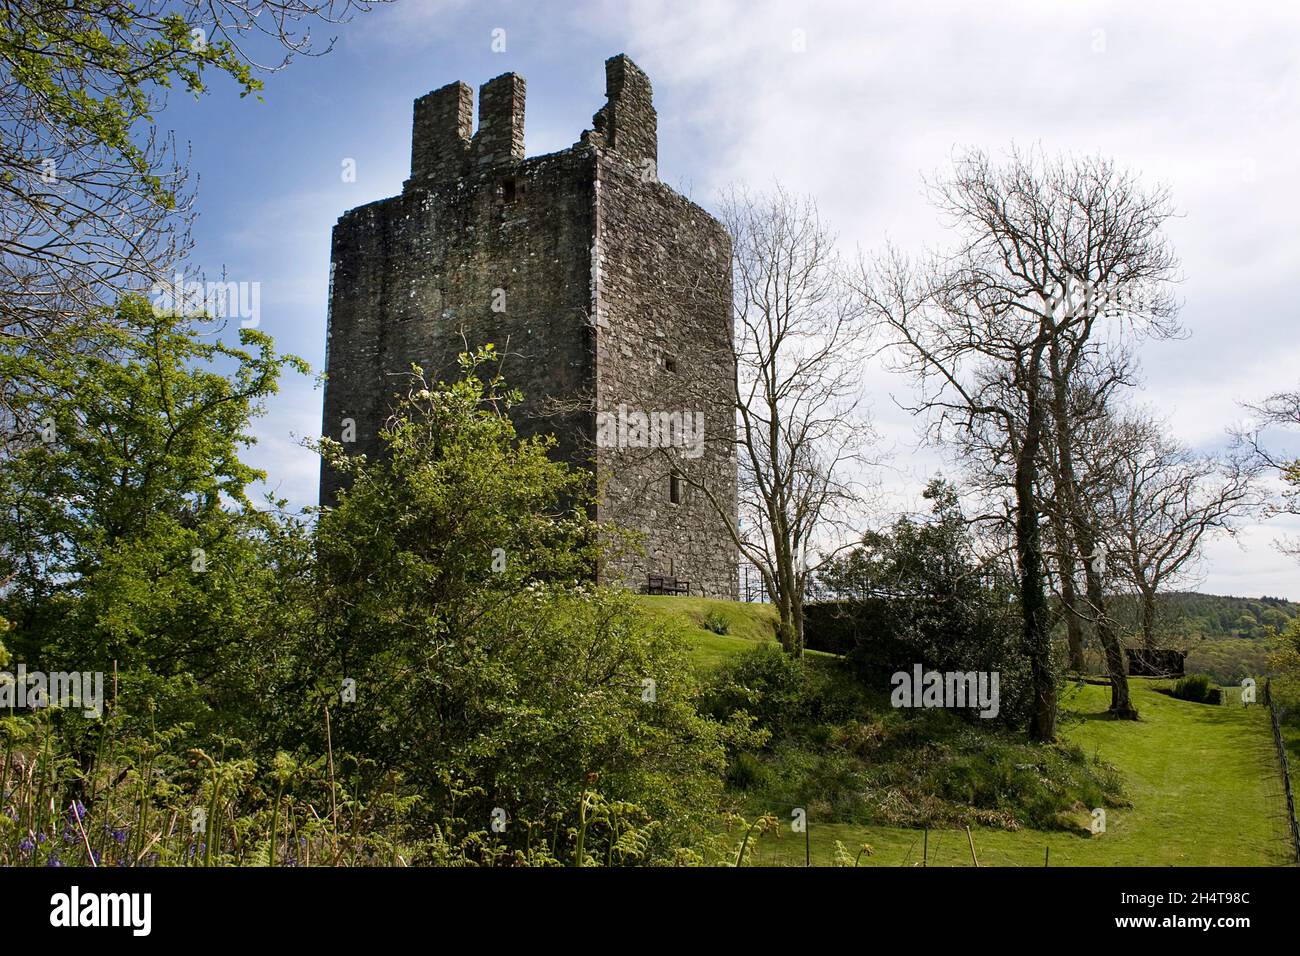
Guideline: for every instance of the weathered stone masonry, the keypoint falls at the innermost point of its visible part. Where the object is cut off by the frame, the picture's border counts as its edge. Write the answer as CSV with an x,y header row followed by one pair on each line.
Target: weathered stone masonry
x,y
616,292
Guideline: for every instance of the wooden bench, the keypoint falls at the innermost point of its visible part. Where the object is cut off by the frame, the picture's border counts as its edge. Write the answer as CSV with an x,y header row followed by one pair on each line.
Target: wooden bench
x,y
666,584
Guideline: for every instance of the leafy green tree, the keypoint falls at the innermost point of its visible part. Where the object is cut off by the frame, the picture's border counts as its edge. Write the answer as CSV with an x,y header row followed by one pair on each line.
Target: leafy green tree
x,y
94,201
461,645
126,531
923,594
1285,663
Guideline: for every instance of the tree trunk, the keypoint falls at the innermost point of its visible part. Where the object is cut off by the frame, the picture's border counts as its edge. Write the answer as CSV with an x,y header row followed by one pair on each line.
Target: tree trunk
x,y
787,598
798,624
1149,619
1073,625
785,631
1085,540
1121,704
1033,597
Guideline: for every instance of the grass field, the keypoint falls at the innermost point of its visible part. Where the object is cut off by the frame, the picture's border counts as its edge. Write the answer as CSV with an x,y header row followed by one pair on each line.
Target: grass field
x,y
746,624
1202,780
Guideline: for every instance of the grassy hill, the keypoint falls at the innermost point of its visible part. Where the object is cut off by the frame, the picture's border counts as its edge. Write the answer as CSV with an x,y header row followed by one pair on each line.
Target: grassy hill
x,y
1202,780
1226,637
717,629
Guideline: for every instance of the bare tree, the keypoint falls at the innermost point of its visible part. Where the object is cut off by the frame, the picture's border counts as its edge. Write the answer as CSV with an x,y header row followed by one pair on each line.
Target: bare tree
x,y
1280,410
989,473
979,362
1166,503
801,432
1052,255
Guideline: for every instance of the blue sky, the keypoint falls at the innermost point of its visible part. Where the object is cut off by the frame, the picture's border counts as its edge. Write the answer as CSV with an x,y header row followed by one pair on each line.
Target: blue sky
x,y
850,102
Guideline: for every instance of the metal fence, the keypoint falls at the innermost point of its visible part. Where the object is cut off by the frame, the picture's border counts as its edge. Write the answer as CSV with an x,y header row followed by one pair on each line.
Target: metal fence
x,y
751,584
752,589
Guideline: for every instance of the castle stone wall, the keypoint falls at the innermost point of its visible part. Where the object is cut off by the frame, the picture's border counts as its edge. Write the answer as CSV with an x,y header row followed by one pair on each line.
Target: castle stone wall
x,y
665,347
585,271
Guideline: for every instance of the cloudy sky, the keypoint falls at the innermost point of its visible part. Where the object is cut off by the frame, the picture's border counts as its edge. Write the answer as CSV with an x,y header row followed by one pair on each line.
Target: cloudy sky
x,y
851,102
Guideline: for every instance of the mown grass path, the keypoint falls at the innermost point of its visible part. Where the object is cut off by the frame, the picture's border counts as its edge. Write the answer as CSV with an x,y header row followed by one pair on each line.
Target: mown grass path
x,y
1203,782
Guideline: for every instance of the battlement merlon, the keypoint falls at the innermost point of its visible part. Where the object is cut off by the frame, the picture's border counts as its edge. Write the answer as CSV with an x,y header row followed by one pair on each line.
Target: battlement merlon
x,y
627,123
500,135
440,138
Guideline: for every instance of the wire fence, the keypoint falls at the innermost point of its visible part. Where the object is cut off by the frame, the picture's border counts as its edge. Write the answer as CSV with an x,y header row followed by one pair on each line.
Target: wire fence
x,y
1275,717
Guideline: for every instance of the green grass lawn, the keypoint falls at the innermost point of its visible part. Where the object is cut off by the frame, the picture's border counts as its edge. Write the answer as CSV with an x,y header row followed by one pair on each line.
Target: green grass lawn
x,y
1291,737
1202,780
747,624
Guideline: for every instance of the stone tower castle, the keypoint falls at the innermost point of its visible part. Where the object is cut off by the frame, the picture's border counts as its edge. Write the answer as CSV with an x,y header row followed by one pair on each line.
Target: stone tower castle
x,y
609,294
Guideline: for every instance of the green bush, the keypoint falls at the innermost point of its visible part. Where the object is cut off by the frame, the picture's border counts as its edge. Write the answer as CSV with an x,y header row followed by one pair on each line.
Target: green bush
x,y
520,688
767,684
843,753
747,772
1195,688
716,622
959,613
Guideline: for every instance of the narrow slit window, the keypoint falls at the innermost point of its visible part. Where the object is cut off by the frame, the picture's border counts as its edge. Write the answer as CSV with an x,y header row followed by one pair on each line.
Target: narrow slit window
x,y
670,363
675,488
508,189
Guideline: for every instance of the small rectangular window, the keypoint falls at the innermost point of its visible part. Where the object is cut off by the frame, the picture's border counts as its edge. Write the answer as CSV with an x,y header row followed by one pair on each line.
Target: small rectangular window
x,y
675,488
670,363
508,189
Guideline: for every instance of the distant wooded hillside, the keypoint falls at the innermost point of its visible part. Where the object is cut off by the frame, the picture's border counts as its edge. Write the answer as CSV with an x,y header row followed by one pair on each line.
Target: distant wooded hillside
x,y
1192,616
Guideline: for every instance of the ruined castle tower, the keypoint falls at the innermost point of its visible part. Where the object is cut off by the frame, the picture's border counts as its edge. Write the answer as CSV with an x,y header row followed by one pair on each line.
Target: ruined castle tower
x,y
609,293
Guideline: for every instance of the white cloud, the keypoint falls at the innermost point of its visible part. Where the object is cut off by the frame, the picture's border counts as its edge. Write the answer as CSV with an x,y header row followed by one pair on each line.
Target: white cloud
x,y
1199,96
